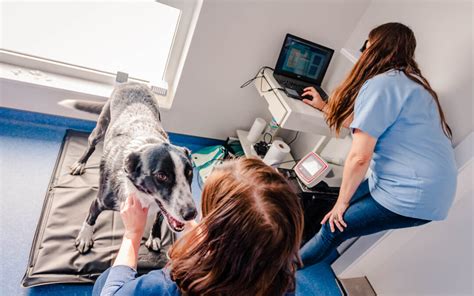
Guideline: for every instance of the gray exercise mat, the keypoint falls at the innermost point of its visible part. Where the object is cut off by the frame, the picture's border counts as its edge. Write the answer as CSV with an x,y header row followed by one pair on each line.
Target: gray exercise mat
x,y
53,257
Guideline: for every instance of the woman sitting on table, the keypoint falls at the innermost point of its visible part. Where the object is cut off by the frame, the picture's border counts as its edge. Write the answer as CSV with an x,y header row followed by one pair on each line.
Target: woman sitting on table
x,y
246,244
398,125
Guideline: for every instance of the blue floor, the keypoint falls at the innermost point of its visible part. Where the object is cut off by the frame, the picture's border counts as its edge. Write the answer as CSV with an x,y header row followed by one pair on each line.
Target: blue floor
x,y
29,145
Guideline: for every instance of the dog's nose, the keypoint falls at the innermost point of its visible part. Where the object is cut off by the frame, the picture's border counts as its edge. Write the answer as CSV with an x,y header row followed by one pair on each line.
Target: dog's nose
x,y
189,213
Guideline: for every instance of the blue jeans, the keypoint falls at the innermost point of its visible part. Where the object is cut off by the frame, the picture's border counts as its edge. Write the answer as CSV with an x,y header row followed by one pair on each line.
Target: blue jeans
x,y
363,216
100,282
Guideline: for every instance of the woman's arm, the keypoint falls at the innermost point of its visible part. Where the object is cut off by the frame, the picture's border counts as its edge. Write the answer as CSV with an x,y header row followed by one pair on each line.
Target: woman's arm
x,y
128,252
134,219
125,265
318,103
355,168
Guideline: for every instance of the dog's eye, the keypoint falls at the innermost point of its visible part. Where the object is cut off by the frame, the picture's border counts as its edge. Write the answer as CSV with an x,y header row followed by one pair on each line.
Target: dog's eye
x,y
161,177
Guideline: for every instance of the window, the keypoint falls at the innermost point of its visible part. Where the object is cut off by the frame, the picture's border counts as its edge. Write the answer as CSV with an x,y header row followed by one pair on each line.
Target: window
x,y
135,38
90,40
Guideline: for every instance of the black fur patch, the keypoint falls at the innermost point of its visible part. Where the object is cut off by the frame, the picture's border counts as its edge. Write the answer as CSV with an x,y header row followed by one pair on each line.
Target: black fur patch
x,y
133,165
154,160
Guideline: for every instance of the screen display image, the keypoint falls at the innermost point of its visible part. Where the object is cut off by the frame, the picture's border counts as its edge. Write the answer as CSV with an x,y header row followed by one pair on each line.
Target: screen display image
x,y
312,166
304,60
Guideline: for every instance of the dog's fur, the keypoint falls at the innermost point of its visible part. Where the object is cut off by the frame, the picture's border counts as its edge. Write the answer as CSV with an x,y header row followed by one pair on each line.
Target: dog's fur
x,y
137,158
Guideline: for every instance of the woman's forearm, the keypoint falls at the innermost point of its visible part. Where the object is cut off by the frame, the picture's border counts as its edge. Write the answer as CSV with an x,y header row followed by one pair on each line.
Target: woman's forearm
x,y
128,252
355,169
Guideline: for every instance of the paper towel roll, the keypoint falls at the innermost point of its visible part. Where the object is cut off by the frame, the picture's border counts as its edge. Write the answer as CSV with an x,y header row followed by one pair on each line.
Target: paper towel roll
x,y
255,132
277,152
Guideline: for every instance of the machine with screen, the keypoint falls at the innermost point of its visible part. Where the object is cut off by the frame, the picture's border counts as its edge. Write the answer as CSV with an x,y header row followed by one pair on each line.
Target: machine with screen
x,y
311,169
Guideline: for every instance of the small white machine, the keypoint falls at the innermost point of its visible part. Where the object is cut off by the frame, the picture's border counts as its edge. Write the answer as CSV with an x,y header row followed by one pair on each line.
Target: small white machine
x,y
311,169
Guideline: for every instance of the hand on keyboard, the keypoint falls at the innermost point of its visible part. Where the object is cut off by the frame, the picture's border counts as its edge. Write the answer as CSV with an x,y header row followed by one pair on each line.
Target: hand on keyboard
x,y
312,97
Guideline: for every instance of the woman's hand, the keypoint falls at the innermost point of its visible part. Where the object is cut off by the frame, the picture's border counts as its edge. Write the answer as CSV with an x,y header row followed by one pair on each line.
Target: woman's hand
x,y
317,102
134,218
335,217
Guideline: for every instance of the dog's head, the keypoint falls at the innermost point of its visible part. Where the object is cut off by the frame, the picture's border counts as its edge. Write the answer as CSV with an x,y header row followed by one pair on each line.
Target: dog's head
x,y
164,172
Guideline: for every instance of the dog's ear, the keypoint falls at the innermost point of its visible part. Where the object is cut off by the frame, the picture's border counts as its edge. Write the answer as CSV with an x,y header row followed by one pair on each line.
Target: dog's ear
x,y
133,164
187,152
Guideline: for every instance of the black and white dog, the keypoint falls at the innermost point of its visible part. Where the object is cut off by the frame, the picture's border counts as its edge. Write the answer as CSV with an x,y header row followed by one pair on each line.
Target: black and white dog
x,y
138,158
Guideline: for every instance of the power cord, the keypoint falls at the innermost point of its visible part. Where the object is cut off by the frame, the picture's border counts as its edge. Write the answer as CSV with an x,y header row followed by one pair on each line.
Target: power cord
x,y
262,147
288,161
294,139
260,71
259,74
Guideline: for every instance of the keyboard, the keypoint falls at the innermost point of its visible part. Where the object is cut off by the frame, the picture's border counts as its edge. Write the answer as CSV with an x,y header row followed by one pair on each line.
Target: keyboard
x,y
299,86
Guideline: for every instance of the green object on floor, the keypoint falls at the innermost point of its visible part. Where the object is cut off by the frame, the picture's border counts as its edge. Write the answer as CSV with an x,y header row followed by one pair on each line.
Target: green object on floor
x,y
207,158
235,147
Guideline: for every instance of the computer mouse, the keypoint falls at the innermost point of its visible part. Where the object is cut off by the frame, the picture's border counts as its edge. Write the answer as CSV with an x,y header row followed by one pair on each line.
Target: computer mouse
x,y
308,97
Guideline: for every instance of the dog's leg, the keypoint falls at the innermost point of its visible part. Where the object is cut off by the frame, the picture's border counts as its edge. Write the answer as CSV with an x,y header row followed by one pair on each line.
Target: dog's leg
x,y
94,138
84,240
154,240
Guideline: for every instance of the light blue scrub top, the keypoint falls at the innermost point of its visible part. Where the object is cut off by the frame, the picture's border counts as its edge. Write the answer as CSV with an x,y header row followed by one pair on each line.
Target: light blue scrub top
x,y
413,167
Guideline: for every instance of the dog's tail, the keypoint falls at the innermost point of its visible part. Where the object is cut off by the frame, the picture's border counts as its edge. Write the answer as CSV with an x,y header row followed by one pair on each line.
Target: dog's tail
x,y
86,106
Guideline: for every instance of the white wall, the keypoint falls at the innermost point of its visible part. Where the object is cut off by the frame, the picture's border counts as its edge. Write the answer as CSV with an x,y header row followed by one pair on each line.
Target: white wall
x,y
232,40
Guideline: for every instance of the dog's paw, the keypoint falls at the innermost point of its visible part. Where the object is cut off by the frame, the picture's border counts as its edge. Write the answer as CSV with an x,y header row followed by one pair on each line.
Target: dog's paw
x,y
78,168
153,244
84,240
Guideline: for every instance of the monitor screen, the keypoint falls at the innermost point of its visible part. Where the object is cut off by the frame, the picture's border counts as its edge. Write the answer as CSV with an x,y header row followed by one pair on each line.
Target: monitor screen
x,y
311,165
303,59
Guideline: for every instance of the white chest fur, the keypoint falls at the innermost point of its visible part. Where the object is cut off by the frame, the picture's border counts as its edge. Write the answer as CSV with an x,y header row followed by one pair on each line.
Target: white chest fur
x,y
145,199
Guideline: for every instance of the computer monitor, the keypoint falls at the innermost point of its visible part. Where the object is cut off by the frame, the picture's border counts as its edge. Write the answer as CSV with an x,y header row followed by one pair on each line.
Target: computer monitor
x,y
304,60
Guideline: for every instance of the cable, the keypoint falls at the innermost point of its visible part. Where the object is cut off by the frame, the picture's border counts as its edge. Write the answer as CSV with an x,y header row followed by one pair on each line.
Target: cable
x,y
288,161
265,138
260,71
294,139
276,95
272,89
260,75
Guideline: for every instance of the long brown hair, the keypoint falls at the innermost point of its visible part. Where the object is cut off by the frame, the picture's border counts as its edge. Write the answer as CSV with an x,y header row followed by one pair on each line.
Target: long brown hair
x,y
248,240
392,46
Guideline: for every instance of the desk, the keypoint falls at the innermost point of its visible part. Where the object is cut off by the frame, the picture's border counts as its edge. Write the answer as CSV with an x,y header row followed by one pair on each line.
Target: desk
x,y
290,113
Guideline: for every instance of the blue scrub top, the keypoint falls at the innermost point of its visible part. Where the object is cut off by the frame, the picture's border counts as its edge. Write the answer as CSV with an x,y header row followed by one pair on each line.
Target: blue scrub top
x,y
413,167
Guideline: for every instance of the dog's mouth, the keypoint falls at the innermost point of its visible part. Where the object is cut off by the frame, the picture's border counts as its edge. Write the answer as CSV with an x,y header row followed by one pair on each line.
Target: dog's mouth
x,y
174,223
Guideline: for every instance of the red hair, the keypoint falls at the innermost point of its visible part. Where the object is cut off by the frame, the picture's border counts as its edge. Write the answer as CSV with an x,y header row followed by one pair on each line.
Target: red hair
x,y
248,240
